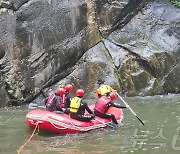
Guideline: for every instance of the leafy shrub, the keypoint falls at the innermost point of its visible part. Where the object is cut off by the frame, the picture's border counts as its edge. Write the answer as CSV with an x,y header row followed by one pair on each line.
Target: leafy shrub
x,y
175,3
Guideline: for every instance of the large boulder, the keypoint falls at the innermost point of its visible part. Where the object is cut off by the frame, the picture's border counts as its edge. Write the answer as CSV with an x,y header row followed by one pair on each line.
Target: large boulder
x,y
95,63
151,42
46,44
42,40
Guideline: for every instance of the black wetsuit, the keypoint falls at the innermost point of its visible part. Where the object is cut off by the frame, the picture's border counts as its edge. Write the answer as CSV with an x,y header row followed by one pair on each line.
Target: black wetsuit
x,y
79,115
55,105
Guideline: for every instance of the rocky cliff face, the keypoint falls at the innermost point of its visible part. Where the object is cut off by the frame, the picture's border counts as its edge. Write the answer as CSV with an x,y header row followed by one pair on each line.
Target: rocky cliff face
x,y
151,41
133,45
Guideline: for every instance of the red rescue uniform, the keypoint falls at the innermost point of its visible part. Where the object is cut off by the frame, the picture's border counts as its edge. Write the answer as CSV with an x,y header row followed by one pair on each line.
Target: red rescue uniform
x,y
102,104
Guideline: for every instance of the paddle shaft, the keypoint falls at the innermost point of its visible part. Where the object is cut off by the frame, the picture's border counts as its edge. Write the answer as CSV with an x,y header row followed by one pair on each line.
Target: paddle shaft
x,y
129,108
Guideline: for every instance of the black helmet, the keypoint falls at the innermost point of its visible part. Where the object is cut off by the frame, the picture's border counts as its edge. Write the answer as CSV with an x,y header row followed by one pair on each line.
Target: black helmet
x,y
100,81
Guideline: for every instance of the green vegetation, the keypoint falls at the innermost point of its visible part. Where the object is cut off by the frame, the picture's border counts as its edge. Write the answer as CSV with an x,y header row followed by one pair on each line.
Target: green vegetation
x,y
175,3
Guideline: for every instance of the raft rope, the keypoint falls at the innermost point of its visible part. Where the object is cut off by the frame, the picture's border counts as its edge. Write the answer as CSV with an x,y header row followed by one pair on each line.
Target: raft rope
x,y
21,147
59,127
72,126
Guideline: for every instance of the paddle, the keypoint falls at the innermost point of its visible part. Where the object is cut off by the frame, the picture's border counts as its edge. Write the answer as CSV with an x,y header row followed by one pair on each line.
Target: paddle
x,y
129,108
34,106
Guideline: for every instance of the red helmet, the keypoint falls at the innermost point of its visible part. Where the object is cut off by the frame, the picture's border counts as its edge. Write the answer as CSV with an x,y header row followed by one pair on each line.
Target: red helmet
x,y
68,87
61,91
80,92
113,95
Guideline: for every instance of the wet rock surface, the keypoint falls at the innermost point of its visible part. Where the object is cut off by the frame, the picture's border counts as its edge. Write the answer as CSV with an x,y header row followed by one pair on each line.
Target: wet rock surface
x,y
134,46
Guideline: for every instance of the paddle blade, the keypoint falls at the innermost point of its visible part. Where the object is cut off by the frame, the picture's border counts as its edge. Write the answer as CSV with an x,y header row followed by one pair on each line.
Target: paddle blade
x,y
32,106
140,120
35,106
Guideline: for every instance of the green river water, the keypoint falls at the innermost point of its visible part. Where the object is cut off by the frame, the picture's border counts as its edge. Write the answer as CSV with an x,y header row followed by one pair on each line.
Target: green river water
x,y
159,135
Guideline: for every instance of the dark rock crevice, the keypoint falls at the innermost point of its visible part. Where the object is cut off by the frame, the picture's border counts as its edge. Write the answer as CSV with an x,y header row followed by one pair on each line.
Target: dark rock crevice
x,y
141,60
127,13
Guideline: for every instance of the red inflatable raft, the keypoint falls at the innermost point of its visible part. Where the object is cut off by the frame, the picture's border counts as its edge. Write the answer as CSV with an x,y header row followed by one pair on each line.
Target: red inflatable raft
x,y
63,124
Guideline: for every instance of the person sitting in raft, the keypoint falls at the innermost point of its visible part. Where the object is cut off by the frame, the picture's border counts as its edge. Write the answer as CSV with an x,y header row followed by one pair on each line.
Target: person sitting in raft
x,y
78,107
56,101
103,89
68,88
102,105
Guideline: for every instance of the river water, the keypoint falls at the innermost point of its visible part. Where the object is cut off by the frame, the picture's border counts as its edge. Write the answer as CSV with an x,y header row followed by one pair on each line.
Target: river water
x,y
159,135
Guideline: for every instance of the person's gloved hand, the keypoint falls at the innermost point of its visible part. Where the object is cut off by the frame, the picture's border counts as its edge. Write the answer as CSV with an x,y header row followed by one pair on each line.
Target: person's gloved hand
x,y
127,106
